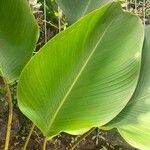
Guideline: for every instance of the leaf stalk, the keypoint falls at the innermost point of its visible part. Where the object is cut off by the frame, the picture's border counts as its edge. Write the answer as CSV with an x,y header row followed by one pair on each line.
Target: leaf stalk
x,y
10,112
44,144
28,138
81,138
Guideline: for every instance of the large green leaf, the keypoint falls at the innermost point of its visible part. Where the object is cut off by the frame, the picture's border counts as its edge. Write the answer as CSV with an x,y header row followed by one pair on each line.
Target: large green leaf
x,y
74,9
18,36
133,122
85,75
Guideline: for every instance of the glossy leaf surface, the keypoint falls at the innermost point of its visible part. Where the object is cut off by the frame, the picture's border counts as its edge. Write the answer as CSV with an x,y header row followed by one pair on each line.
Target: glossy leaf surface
x,y
85,75
75,9
133,122
18,36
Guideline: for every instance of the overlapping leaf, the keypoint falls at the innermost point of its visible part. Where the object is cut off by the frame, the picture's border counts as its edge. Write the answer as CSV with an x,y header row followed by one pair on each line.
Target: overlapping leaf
x,y
18,36
74,9
133,122
85,75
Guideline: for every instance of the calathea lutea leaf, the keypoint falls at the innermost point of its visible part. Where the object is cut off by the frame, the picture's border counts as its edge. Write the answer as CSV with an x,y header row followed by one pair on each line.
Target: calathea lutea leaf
x,y
75,9
133,122
18,36
84,76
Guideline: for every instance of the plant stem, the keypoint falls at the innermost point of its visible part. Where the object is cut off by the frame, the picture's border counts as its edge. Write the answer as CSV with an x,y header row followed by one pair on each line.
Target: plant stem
x,y
44,144
81,138
45,18
144,11
10,112
59,18
135,2
126,1
28,138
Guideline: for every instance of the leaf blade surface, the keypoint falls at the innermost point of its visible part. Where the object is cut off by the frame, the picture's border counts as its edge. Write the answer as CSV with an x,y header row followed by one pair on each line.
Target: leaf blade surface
x,y
76,9
133,122
84,69
18,37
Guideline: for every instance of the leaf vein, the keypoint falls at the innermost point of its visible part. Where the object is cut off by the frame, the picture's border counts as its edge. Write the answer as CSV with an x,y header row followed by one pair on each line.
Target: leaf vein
x,y
77,77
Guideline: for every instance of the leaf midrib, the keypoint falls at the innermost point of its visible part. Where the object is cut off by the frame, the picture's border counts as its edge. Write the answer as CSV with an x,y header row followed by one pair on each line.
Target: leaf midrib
x,y
79,74
86,8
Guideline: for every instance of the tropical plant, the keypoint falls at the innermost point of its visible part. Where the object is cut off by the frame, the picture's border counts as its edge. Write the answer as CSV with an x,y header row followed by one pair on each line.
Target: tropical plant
x,y
89,75
83,76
